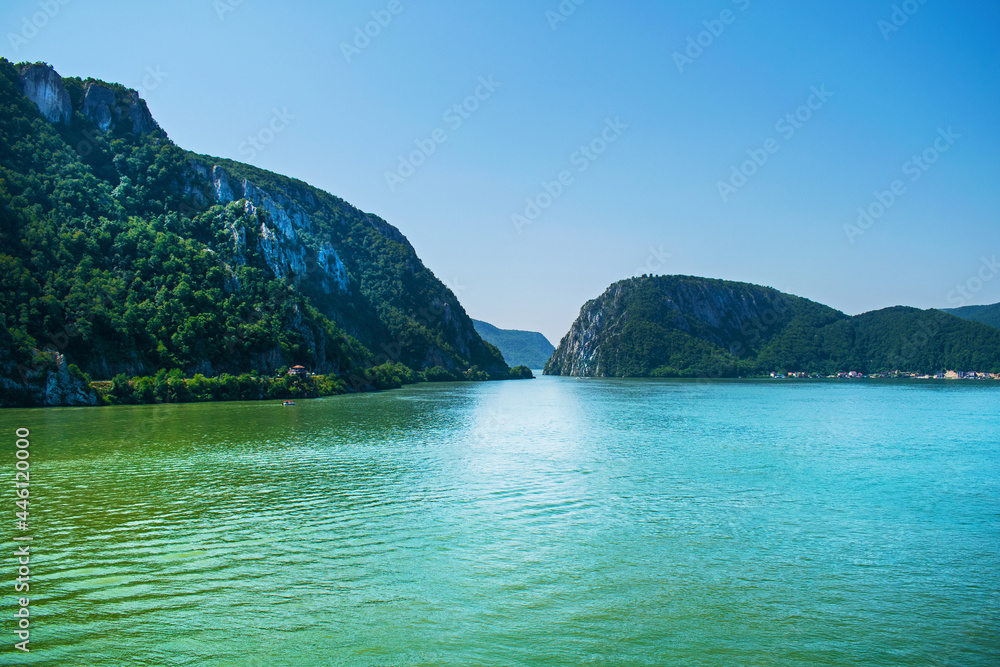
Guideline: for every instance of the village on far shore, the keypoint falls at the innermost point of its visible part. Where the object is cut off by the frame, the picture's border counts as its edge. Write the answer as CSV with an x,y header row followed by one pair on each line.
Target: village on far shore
x,y
895,375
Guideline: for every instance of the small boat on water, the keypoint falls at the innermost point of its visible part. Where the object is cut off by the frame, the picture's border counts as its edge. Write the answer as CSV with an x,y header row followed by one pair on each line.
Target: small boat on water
x,y
288,402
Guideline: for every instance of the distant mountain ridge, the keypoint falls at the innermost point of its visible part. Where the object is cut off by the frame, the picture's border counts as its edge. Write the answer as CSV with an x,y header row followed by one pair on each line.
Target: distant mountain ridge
x,y
986,314
519,348
686,326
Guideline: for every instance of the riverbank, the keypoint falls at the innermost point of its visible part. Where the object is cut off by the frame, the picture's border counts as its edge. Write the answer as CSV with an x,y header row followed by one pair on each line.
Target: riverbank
x,y
173,387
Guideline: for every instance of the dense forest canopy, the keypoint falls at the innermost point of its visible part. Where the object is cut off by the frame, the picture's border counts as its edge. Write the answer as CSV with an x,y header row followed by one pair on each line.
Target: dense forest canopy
x,y
685,326
519,348
986,314
121,253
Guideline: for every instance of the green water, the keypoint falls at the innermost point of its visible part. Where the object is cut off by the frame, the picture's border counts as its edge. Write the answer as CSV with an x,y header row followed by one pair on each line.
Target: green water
x,y
548,522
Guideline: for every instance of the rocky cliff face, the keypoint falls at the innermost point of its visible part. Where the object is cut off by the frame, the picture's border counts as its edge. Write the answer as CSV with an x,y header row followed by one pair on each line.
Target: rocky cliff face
x,y
682,326
714,311
345,258
52,384
43,86
324,246
61,388
579,350
278,219
646,323
214,266
103,107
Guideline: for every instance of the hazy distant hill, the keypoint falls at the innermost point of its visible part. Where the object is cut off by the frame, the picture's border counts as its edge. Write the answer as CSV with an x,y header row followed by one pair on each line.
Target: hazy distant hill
x,y
684,326
519,348
986,314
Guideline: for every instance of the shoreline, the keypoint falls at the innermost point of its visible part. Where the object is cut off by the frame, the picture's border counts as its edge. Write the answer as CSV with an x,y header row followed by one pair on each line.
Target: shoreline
x,y
101,388
764,378
172,388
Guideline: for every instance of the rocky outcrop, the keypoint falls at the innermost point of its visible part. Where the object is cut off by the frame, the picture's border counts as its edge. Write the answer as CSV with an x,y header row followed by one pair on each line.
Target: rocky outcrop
x,y
640,324
43,86
98,104
137,112
285,258
683,326
280,220
220,185
102,106
578,351
334,273
61,388
50,383
258,270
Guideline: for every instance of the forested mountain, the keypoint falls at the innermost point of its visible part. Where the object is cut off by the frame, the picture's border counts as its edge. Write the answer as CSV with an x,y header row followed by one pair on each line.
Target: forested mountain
x,y
986,314
121,253
519,348
683,326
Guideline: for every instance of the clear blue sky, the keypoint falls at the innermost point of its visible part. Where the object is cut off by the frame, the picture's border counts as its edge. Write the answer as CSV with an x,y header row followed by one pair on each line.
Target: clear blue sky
x,y
225,66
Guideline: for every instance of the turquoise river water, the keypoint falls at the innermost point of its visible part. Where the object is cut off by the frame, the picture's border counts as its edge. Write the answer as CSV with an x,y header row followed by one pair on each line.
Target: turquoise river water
x,y
555,521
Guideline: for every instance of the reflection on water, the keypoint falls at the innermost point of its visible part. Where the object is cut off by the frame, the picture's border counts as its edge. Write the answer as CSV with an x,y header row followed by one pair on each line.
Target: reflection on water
x,y
555,521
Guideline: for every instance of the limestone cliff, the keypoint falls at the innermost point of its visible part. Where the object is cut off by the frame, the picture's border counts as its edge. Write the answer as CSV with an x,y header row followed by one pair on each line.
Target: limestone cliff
x,y
127,254
51,383
277,222
43,86
683,326
676,325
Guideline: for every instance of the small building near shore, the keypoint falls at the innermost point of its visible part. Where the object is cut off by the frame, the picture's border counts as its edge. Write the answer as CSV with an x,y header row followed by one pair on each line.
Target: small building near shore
x,y
298,371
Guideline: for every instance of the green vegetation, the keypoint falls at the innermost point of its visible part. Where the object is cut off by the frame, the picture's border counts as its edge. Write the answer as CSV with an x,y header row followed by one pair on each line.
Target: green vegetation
x,y
519,348
682,326
521,373
116,254
986,314
173,387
